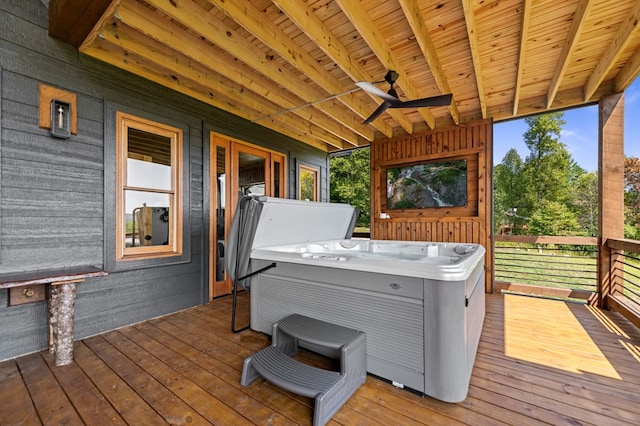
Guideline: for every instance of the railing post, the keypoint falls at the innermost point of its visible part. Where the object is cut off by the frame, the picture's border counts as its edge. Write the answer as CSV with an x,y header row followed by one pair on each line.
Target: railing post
x,y
617,272
612,270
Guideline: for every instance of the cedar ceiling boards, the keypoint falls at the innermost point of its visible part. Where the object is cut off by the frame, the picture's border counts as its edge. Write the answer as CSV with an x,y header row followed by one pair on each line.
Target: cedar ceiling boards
x,y
292,66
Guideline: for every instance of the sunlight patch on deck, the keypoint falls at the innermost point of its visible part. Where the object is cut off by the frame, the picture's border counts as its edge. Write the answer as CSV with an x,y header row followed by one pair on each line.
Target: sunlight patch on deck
x,y
547,332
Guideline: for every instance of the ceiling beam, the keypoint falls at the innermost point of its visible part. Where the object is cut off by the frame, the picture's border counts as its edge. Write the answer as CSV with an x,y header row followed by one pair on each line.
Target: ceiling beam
x,y
136,45
524,34
421,32
367,30
166,35
249,17
225,38
191,16
620,41
73,20
324,38
629,72
165,77
577,25
472,31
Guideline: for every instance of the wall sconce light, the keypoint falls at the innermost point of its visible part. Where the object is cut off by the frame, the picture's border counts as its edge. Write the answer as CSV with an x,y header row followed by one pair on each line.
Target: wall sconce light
x,y
60,119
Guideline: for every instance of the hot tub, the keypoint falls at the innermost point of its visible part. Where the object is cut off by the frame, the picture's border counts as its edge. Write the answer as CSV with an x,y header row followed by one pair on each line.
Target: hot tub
x,y
421,304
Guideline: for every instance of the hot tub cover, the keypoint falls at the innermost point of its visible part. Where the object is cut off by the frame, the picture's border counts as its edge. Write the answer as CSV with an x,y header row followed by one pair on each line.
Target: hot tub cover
x,y
267,221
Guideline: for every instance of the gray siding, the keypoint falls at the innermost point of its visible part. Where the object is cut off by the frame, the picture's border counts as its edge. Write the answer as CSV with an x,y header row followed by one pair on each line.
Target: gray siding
x,y
56,198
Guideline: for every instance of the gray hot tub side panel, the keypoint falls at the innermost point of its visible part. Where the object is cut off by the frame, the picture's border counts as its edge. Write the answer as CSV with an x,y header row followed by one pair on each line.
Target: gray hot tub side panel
x,y
453,316
392,320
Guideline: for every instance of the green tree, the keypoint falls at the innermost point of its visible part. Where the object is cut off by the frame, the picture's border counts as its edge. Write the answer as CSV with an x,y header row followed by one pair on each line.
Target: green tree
x,y
350,182
553,195
586,202
554,218
307,186
632,197
548,165
508,190
550,173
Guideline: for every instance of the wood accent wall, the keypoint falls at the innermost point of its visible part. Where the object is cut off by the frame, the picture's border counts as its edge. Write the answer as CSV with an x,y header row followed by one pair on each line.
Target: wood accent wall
x,y
470,224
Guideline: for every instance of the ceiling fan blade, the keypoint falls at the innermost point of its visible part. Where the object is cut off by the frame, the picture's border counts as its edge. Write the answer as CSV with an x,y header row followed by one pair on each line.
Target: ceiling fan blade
x,y
441,100
383,106
374,90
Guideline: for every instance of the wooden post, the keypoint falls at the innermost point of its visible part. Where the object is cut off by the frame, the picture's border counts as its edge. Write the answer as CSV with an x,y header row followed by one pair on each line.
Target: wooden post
x,y
611,190
61,316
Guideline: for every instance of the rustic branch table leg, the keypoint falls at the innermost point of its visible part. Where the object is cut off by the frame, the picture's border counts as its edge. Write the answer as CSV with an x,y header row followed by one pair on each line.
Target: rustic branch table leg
x,y
61,315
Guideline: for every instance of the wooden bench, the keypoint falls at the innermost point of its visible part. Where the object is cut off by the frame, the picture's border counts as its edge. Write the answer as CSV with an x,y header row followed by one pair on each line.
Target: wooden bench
x,y
62,294
331,389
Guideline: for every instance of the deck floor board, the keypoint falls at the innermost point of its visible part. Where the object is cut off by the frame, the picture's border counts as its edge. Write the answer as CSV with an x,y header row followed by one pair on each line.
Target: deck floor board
x,y
539,362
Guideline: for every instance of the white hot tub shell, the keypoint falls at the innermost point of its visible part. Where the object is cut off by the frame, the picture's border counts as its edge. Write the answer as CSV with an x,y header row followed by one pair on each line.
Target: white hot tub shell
x,y
420,304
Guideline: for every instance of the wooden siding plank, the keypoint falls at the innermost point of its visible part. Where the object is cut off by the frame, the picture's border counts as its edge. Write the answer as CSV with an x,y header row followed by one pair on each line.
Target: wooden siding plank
x,y
2,102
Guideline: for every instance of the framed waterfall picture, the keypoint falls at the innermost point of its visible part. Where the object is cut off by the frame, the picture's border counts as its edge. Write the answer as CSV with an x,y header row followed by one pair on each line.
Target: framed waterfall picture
x,y
442,186
430,184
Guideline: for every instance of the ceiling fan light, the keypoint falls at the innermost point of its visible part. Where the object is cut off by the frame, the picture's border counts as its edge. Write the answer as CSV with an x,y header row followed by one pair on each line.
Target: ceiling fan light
x,y
391,76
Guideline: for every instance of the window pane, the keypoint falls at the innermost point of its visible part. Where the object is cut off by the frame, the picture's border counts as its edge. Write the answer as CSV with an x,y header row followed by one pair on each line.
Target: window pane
x,y
251,174
148,160
147,218
276,179
308,185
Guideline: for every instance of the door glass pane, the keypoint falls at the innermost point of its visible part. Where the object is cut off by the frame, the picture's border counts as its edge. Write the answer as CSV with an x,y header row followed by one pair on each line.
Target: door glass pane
x,y
276,179
220,183
251,174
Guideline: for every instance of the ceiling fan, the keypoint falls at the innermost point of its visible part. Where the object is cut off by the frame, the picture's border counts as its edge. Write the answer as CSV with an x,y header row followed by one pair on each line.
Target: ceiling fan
x,y
390,98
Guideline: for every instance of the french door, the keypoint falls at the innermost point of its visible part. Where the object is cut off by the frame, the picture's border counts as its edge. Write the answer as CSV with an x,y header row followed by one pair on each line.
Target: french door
x,y
237,168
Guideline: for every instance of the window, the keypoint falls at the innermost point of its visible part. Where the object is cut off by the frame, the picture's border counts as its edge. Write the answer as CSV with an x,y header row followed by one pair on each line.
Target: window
x,y
149,186
308,182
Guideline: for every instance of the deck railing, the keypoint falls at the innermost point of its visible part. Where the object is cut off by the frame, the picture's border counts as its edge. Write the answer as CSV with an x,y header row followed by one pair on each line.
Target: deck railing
x,y
563,267
568,268
622,292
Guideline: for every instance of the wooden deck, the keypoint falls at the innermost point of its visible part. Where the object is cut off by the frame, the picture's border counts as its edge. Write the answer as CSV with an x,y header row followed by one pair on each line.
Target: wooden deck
x,y
539,362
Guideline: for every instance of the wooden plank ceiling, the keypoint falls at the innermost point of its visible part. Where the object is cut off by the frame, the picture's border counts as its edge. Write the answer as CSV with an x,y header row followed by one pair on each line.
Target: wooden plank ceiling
x,y
292,66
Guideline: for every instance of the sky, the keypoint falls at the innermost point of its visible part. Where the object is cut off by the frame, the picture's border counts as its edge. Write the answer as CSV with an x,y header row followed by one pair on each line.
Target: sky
x,y
579,134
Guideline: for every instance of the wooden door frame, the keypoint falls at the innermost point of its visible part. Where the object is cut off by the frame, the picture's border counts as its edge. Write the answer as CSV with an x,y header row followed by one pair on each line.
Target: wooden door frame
x,y
232,149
